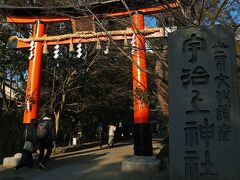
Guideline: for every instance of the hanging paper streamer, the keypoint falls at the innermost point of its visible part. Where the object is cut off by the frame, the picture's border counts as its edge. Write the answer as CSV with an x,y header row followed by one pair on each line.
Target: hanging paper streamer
x,y
45,49
79,50
28,105
125,43
71,47
56,51
133,43
98,46
31,50
107,47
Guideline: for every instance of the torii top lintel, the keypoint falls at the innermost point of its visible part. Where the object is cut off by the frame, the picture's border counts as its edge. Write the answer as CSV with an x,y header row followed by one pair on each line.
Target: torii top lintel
x,y
103,9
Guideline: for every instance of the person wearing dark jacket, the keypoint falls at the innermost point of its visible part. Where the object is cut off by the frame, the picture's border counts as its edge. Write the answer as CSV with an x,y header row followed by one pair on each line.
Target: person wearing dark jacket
x,y
30,139
45,141
100,134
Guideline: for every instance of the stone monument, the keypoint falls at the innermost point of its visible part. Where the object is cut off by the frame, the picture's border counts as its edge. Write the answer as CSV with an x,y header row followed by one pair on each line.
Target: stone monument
x,y
204,104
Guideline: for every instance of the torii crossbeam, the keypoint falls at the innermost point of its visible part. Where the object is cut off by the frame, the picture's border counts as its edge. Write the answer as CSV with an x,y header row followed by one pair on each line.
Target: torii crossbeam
x,y
142,129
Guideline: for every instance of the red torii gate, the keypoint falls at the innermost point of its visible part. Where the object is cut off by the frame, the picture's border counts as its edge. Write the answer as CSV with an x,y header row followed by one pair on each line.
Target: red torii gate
x,y
142,129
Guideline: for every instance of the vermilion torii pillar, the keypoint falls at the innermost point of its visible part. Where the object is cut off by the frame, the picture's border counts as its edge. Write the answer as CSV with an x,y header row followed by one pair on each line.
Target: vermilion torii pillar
x,y
142,129
35,62
34,76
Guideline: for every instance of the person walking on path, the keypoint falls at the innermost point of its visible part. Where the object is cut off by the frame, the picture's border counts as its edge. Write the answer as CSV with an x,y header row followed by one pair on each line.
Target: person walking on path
x,y
29,147
111,132
46,134
100,134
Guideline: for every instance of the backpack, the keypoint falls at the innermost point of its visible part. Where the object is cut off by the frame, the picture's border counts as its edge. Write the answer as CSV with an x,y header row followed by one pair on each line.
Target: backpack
x,y
100,132
42,129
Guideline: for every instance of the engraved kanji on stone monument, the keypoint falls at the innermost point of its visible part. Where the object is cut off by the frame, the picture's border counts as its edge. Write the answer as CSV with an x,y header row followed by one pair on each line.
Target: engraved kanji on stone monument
x,y
223,96
191,134
195,101
207,166
220,56
198,76
224,131
194,44
191,164
206,132
203,104
223,112
222,81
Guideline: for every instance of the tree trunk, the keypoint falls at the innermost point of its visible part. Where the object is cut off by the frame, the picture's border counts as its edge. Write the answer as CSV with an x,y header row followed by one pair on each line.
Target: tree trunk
x,y
10,95
3,90
57,118
162,88
53,90
58,113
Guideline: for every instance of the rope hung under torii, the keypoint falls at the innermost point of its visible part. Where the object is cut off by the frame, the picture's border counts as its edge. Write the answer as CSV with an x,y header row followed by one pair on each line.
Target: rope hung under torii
x,y
84,37
88,35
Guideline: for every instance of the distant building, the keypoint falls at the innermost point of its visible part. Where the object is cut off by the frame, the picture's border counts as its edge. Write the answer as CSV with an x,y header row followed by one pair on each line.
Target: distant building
x,y
11,92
